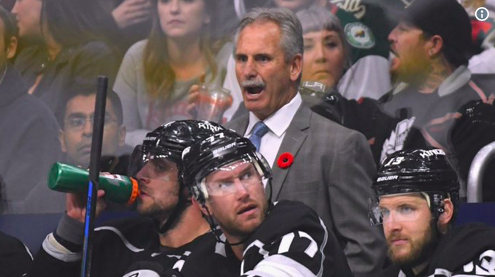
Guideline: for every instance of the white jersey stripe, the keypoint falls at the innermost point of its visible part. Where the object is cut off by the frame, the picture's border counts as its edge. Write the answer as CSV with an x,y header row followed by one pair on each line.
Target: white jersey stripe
x,y
285,243
121,236
279,266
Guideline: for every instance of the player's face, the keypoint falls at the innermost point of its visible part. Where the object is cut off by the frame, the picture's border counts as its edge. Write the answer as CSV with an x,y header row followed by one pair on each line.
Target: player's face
x,y
75,139
294,5
410,61
236,199
323,57
158,187
28,14
409,241
264,76
182,18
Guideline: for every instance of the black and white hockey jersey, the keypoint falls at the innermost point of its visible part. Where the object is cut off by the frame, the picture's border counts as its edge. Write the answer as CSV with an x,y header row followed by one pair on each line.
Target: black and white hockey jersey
x,y
119,247
293,241
468,250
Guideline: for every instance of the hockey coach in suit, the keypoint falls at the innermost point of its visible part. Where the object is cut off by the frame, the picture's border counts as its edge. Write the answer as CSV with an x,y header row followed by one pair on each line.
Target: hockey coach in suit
x,y
314,160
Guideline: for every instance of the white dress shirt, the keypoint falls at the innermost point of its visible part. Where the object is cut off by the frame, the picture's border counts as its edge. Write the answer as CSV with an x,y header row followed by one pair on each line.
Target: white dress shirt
x,y
277,124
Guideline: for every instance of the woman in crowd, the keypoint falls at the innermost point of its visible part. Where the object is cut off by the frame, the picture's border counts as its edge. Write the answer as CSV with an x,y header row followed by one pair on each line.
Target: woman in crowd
x,y
326,52
326,58
67,47
156,74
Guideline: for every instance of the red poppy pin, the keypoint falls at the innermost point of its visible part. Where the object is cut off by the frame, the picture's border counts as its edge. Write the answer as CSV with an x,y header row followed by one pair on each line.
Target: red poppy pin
x,y
285,160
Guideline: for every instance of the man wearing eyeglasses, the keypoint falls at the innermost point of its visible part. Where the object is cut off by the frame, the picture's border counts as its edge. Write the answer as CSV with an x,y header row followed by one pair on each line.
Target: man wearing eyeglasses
x,y
416,201
76,123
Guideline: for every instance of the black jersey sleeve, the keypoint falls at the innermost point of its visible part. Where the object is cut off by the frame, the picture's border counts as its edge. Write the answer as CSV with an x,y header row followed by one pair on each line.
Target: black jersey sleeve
x,y
293,241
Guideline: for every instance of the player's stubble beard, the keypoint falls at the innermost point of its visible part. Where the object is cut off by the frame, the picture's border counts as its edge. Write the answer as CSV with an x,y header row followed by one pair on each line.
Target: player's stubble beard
x,y
420,250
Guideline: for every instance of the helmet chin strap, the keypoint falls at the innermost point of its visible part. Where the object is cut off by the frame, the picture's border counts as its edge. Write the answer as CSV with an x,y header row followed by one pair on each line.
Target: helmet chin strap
x,y
270,194
209,218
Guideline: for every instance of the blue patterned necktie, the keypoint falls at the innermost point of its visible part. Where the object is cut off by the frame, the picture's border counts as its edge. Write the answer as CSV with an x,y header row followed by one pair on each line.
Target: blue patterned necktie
x,y
259,130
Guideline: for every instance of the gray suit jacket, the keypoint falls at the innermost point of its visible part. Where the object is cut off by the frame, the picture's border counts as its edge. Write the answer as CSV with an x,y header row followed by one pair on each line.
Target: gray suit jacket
x,y
331,173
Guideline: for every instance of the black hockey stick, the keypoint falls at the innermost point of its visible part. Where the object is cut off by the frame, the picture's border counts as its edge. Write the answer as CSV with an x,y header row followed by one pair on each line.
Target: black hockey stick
x,y
94,173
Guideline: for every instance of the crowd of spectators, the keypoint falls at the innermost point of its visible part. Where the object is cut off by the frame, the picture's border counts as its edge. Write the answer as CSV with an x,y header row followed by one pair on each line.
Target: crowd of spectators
x,y
325,97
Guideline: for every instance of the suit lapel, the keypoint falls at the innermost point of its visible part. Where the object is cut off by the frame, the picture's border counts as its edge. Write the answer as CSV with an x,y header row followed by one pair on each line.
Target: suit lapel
x,y
239,125
291,143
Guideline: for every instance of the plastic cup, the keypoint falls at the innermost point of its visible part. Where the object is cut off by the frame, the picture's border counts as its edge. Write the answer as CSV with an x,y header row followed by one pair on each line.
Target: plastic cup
x,y
213,101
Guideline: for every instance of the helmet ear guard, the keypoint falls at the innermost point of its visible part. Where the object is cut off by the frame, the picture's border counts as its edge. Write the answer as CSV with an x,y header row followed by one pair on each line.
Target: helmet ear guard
x,y
199,193
436,202
262,166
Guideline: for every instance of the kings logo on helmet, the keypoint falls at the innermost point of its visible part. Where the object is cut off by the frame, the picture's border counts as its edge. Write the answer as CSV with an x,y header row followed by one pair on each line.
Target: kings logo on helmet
x,y
429,153
206,125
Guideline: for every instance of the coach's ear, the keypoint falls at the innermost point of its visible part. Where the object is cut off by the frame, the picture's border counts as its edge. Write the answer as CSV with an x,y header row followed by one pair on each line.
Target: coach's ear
x,y
446,217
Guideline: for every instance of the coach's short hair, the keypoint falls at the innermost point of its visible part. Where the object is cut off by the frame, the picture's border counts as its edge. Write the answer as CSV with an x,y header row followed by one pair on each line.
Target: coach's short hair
x,y
291,40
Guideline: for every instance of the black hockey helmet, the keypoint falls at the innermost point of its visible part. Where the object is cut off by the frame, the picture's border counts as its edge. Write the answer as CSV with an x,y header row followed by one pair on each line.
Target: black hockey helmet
x,y
425,171
167,142
170,139
214,152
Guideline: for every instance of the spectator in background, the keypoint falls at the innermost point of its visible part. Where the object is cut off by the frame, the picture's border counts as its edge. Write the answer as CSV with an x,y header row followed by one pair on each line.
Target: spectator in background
x,y
431,46
28,141
326,52
417,201
124,22
156,74
314,160
365,30
28,17
69,48
326,57
366,27
76,123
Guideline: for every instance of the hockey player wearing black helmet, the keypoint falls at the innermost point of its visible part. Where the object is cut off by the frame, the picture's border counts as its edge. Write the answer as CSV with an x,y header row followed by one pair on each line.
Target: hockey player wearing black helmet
x,y
168,230
416,201
226,177
156,165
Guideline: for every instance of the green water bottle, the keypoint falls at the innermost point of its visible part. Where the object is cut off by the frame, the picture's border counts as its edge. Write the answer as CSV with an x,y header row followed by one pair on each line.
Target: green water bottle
x,y
68,178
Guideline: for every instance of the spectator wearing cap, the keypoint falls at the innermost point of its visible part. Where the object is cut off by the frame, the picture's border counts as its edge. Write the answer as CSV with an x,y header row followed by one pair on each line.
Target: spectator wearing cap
x,y
431,47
